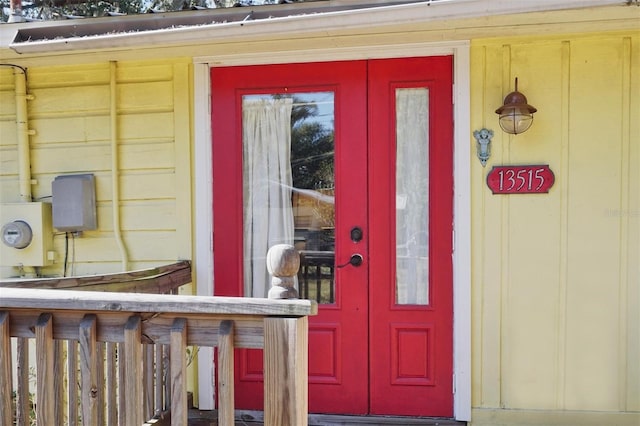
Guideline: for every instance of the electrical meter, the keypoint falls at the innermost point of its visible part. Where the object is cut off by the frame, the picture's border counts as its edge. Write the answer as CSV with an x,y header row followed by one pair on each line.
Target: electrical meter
x,y
17,234
26,236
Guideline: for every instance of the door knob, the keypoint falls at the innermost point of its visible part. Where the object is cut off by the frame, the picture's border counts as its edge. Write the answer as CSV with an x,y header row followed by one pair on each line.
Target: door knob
x,y
356,259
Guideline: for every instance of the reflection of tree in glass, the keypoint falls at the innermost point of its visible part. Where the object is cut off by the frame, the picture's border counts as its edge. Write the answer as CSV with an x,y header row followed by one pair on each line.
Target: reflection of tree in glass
x,y
312,168
311,148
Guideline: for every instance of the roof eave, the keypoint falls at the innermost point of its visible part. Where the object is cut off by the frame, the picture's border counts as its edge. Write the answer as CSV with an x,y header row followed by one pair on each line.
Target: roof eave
x,y
327,23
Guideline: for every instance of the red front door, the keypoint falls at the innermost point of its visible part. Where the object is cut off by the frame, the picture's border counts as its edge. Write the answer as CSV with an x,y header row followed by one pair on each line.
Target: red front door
x,y
360,168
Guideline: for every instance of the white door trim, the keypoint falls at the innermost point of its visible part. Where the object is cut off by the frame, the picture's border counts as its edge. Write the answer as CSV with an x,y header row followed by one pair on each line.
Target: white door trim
x,y
462,189
462,236
203,232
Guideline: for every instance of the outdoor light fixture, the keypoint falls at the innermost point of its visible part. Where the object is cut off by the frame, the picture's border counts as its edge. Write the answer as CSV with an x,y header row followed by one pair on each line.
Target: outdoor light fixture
x,y
516,115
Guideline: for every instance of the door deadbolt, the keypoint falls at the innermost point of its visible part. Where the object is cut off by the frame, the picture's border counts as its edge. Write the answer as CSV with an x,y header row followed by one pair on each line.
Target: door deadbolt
x,y
356,234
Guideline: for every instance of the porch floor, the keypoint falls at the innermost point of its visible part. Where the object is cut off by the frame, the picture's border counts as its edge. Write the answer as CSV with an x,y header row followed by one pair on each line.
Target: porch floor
x,y
254,418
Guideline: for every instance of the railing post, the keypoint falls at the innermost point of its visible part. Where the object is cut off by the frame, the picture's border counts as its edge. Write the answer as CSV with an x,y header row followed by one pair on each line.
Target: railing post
x,y
89,370
283,262
133,371
58,381
72,377
45,391
178,339
159,373
148,379
285,371
100,382
6,409
112,383
122,397
22,403
226,403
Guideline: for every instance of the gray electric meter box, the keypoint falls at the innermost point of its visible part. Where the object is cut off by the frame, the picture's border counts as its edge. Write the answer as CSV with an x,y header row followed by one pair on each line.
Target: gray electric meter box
x,y
26,236
74,203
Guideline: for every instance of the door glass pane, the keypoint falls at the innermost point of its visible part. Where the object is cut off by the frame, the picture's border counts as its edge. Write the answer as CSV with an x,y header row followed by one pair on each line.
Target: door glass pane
x,y
412,196
288,175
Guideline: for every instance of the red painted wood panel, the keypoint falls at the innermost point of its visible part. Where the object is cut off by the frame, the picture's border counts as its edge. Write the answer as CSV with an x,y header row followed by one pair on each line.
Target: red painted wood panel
x,y
367,354
412,354
411,345
338,337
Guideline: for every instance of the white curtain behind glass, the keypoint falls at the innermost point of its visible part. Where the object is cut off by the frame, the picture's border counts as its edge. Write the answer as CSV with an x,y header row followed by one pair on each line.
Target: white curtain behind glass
x,y
412,196
268,216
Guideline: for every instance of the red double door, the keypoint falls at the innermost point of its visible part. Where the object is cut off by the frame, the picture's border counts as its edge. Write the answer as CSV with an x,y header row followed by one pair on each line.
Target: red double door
x,y
382,342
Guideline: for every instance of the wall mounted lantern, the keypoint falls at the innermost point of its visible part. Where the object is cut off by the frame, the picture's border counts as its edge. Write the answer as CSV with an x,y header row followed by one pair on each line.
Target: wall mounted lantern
x,y
516,115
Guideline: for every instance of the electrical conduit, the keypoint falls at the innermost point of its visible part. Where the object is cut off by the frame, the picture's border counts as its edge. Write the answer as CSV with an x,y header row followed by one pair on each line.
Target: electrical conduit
x,y
22,123
24,152
115,166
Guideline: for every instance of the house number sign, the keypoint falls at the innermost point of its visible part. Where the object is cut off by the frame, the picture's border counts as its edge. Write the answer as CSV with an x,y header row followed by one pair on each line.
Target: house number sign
x,y
520,179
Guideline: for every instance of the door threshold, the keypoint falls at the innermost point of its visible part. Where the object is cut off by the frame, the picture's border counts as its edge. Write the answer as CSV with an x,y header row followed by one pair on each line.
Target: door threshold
x,y
255,418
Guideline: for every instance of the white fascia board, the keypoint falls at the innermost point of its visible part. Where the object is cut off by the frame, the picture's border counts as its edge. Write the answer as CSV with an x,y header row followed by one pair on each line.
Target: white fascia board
x,y
326,23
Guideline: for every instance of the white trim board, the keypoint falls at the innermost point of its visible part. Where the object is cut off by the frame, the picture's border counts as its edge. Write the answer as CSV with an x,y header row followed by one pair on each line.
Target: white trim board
x,y
502,417
328,22
203,213
462,186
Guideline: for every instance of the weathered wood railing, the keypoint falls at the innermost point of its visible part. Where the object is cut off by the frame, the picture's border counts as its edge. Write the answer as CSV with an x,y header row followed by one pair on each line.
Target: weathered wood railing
x,y
108,332
165,279
160,280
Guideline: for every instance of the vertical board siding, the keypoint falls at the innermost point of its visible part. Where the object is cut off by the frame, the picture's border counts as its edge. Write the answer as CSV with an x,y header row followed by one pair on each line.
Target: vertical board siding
x,y
594,235
533,238
631,368
477,58
556,279
70,114
486,252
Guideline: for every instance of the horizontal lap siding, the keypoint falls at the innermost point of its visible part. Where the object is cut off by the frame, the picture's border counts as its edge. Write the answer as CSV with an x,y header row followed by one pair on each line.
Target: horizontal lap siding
x,y
556,277
70,115
8,152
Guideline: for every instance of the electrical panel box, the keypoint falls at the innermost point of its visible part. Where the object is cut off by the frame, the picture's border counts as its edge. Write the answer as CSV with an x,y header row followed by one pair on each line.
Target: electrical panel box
x,y
74,203
27,236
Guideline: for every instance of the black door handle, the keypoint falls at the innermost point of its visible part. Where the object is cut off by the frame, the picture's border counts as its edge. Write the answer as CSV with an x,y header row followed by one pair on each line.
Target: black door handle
x,y
356,259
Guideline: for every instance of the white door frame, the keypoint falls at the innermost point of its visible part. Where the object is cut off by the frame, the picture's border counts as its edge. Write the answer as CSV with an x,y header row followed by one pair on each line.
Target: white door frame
x,y
462,191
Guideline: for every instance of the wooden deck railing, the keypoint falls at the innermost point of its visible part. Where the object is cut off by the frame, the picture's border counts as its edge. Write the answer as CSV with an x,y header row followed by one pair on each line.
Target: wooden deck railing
x,y
129,350
165,279
159,280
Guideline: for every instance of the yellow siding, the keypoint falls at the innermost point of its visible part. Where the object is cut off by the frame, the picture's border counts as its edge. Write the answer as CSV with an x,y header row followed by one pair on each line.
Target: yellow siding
x,y
8,149
70,114
556,277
